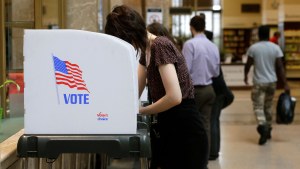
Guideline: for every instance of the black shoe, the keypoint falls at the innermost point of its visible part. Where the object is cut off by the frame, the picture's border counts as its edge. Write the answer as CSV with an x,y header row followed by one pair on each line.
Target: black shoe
x,y
269,133
262,140
264,131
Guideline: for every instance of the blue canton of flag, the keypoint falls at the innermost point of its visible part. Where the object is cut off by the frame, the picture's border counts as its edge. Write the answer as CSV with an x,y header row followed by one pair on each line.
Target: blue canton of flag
x,y
59,65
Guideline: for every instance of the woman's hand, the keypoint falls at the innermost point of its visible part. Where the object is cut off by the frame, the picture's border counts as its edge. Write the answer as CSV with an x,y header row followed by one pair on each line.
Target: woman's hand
x,y
173,94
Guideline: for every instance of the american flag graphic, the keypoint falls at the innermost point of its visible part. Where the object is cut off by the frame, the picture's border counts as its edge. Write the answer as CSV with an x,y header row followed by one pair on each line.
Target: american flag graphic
x,y
68,74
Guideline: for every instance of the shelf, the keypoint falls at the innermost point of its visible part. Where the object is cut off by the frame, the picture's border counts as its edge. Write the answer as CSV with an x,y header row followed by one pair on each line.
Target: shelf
x,y
293,73
235,42
291,46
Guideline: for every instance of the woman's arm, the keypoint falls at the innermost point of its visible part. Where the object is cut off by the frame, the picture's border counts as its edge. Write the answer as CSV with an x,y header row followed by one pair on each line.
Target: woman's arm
x,y
142,74
173,94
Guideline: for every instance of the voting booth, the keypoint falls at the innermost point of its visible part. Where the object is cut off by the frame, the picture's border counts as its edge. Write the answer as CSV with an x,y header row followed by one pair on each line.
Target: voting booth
x,y
79,82
81,88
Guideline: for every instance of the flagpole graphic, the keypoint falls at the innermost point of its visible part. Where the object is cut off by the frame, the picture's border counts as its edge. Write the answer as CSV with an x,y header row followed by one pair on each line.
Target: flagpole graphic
x,y
58,99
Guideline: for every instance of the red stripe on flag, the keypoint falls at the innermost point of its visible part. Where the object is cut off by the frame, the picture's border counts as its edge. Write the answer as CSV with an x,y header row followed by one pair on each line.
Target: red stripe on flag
x,y
73,79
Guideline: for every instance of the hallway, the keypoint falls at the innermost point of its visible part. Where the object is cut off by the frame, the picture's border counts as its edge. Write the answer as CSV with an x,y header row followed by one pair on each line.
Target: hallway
x,y
239,139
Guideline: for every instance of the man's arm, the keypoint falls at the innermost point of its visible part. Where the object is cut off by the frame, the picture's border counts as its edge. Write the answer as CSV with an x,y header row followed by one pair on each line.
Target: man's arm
x,y
187,52
248,65
281,74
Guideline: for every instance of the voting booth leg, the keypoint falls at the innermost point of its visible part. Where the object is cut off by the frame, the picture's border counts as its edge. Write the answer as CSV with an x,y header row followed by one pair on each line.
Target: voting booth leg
x,y
50,165
24,163
144,163
104,161
101,161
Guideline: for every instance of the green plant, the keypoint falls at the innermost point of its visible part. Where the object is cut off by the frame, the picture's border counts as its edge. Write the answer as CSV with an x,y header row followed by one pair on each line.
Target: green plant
x,y
8,82
2,86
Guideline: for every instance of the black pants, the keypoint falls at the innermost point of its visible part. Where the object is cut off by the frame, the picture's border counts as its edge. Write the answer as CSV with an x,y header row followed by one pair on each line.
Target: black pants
x,y
205,97
215,126
184,142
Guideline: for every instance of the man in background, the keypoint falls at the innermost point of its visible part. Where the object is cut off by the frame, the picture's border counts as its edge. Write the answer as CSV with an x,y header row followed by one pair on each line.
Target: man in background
x,y
215,134
275,37
203,61
207,33
266,58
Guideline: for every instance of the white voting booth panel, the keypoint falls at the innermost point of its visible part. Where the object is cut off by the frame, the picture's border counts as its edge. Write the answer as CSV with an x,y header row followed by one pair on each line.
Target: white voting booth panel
x,y
79,82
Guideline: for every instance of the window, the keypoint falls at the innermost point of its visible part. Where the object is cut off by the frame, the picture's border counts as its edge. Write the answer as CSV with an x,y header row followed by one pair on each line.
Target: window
x,y
180,22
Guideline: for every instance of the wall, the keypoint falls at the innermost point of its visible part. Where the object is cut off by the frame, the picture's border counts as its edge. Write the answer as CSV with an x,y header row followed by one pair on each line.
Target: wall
x,y
50,13
270,15
289,11
270,9
21,11
82,14
234,18
135,4
164,5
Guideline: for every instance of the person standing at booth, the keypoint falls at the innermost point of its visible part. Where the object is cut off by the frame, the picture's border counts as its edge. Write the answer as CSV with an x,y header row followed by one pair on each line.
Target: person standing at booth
x,y
265,56
203,62
158,30
184,140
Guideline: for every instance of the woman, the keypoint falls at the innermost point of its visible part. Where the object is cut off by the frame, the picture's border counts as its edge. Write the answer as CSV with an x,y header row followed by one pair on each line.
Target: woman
x,y
184,141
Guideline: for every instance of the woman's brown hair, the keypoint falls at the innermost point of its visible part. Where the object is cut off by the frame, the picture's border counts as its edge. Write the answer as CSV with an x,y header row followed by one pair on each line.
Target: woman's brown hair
x,y
127,24
159,30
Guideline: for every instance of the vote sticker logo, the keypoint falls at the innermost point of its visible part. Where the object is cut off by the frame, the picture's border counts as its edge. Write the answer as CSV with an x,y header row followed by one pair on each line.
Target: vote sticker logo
x,y
102,116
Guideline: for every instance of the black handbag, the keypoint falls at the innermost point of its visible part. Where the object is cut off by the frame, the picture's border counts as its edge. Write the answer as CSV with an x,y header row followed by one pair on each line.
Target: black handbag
x,y
221,88
285,109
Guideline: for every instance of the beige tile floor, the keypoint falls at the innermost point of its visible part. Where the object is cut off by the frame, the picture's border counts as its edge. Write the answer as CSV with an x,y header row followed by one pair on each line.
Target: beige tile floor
x,y
239,139
239,148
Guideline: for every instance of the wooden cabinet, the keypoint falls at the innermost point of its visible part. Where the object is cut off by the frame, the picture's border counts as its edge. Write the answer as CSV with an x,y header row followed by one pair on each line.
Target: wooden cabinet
x,y
236,43
291,47
292,50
